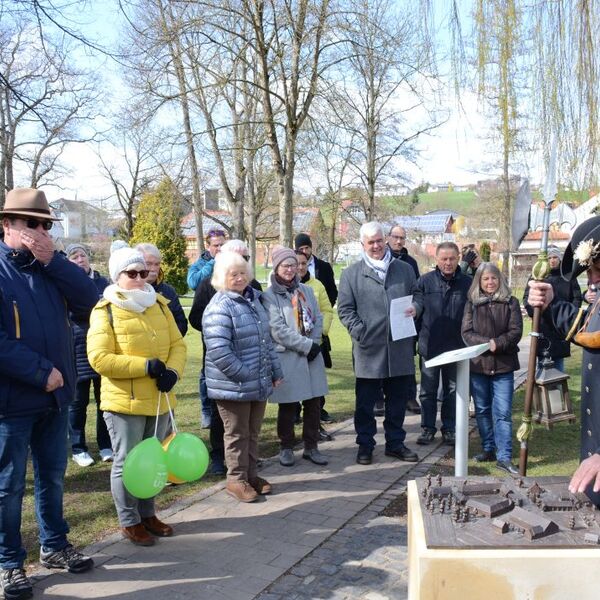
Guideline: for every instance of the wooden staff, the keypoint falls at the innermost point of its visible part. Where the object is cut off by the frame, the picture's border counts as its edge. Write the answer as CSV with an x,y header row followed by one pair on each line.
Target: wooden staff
x,y
541,270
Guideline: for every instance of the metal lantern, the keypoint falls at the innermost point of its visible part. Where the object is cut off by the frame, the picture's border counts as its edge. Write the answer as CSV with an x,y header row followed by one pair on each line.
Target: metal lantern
x,y
552,400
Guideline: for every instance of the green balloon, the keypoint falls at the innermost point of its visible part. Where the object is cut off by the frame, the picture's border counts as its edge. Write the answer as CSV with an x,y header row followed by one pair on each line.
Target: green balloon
x,y
187,457
145,469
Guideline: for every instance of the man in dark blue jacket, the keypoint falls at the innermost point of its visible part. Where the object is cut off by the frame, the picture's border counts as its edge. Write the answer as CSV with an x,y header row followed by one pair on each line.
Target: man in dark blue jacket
x,y
444,296
396,241
38,288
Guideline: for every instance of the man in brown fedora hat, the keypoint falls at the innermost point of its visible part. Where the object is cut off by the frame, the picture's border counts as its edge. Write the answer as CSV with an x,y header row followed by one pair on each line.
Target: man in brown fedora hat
x,y
38,288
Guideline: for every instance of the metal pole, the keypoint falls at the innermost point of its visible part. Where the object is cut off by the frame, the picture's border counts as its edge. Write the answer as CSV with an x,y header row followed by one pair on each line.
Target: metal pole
x,y
461,448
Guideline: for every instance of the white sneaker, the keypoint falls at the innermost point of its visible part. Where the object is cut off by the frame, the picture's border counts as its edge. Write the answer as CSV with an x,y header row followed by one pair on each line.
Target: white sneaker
x,y
106,455
83,459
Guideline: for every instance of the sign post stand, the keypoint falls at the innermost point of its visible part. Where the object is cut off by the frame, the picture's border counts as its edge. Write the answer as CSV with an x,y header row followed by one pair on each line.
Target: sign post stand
x,y
461,357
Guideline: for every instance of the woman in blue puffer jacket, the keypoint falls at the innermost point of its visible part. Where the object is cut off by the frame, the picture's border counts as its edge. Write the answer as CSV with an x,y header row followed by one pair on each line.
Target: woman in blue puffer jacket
x,y
241,370
86,376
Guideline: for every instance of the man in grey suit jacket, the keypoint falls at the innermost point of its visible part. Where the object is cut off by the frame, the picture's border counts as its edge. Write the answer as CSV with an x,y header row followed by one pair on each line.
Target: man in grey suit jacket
x,y
366,291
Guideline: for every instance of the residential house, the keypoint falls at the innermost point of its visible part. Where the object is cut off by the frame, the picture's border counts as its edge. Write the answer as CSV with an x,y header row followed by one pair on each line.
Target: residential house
x,y
79,220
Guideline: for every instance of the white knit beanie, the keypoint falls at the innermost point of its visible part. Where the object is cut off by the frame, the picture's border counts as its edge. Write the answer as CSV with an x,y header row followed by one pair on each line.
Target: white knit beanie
x,y
117,244
121,259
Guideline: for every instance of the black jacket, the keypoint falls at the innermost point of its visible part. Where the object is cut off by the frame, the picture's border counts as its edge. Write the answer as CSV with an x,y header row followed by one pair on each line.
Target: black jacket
x,y
563,290
443,307
202,296
324,273
80,329
404,256
168,291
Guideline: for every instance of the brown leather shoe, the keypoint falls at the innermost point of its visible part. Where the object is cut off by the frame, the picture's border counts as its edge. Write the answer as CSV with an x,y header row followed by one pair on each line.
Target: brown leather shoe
x,y
241,490
138,535
156,527
261,486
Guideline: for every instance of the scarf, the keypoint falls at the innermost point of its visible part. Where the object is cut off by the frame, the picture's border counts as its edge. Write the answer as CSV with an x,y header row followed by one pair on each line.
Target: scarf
x,y
379,266
136,301
303,316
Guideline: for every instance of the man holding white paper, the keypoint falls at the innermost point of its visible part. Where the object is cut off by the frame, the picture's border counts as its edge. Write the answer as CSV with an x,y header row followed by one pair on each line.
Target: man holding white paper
x,y
381,361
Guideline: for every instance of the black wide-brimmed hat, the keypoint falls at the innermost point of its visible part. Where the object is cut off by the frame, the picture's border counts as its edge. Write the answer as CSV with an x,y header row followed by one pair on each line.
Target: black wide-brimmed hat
x,y
583,249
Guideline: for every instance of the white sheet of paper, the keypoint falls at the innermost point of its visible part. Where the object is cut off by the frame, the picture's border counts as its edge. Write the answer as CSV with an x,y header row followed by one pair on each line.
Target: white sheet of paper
x,y
401,325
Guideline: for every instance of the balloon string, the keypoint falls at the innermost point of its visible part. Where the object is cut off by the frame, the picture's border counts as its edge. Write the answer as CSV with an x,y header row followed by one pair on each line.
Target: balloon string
x,y
157,415
171,415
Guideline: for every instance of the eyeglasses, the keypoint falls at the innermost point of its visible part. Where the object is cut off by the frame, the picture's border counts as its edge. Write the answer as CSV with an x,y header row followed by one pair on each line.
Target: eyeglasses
x,y
133,274
34,223
289,267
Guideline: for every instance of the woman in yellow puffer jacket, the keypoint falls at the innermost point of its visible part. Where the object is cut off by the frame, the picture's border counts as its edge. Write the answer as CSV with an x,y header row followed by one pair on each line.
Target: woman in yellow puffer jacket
x,y
135,345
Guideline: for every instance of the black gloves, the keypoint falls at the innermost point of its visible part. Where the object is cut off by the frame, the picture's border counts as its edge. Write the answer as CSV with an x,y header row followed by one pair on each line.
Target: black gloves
x,y
469,256
155,367
166,381
314,352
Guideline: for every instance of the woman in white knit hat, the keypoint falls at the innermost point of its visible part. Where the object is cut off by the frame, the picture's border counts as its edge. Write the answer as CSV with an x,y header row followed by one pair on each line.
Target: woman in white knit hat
x,y
134,343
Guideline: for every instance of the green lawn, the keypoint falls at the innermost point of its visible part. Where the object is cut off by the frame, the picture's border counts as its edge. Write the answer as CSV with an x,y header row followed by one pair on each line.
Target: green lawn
x,y
88,503
460,202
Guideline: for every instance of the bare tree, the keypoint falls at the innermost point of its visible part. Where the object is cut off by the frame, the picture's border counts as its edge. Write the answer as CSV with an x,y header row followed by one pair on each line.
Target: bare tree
x,y
158,73
133,172
289,40
45,104
384,92
327,151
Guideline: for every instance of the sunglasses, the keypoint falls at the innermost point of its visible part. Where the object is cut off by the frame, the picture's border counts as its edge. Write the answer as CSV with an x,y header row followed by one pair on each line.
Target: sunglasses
x,y
133,274
34,223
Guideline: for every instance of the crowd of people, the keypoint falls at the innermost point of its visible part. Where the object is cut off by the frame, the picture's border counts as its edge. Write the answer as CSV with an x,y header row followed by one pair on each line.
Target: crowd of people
x,y
65,330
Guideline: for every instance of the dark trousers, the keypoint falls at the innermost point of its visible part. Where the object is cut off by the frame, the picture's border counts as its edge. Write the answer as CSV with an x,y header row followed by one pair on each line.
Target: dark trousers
x,y
395,393
78,417
310,423
217,431
430,381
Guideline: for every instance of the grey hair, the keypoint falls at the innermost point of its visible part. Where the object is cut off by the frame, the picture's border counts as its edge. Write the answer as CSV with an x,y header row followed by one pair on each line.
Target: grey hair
x,y
370,229
224,262
147,248
447,246
235,246
476,296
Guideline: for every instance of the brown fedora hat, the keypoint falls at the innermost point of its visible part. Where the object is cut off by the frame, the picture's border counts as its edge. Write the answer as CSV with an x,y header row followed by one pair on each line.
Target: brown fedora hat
x,y
27,202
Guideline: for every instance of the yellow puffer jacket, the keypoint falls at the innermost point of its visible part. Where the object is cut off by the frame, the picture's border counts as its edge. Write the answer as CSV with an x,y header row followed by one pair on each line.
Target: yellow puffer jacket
x,y
119,352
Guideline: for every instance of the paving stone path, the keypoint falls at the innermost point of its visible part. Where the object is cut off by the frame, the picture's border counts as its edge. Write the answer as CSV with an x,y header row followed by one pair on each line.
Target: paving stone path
x,y
320,535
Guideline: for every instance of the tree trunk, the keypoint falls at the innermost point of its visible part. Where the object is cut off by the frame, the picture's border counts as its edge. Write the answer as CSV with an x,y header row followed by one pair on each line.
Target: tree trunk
x,y
176,53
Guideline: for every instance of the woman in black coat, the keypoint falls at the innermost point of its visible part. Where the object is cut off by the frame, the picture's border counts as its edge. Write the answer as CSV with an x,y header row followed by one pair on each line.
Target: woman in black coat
x,y
86,376
493,315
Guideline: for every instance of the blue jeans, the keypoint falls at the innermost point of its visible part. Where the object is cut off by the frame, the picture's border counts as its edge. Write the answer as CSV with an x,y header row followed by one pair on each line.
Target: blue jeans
x,y
46,434
78,417
430,381
205,402
493,396
396,391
